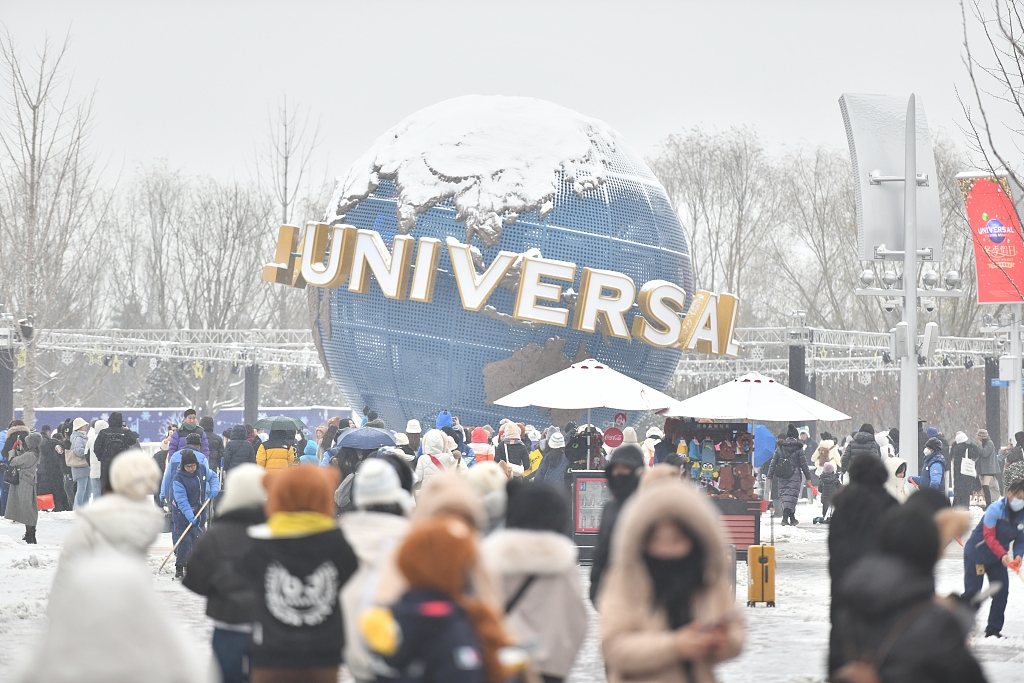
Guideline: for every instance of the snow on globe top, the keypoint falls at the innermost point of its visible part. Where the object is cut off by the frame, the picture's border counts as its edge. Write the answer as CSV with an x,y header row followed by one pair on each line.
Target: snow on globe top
x,y
505,176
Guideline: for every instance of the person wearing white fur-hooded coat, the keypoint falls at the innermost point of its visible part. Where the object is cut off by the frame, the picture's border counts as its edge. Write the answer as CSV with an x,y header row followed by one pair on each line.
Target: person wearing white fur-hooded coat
x,y
110,625
638,641
547,614
124,521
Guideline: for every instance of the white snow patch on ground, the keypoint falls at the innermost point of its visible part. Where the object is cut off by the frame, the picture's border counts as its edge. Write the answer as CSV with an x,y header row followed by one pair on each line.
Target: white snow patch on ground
x,y
784,644
495,157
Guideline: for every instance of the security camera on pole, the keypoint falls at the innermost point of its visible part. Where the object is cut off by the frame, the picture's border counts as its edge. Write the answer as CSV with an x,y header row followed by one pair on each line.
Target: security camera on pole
x,y
902,212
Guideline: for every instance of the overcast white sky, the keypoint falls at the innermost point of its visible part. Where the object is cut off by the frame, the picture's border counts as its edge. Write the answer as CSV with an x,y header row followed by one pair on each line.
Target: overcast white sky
x,y
191,82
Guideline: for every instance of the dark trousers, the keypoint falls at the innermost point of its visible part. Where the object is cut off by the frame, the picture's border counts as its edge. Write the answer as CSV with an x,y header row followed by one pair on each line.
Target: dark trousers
x,y
5,489
231,649
179,524
995,571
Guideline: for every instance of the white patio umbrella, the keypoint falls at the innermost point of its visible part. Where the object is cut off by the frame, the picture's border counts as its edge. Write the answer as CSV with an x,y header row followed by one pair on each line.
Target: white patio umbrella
x,y
586,385
754,397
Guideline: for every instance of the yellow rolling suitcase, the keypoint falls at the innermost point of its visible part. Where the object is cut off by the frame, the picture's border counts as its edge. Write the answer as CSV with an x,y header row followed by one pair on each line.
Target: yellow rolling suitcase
x,y
761,575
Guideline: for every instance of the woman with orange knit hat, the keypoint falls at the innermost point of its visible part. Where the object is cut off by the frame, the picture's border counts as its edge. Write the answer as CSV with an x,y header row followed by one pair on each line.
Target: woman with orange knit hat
x,y
297,566
436,632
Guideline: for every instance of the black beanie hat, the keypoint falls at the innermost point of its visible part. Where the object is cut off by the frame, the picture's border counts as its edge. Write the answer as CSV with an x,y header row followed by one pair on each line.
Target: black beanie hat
x,y
911,534
868,470
866,427
927,500
792,432
188,457
539,506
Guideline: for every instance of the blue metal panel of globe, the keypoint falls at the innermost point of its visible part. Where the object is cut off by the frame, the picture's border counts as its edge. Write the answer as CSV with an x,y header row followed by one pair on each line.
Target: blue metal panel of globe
x,y
411,360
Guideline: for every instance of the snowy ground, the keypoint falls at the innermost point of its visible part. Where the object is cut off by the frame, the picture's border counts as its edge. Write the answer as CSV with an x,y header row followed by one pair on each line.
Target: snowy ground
x,y
787,643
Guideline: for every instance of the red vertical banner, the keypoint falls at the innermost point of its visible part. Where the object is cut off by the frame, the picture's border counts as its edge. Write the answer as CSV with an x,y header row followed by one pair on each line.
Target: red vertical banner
x,y
998,247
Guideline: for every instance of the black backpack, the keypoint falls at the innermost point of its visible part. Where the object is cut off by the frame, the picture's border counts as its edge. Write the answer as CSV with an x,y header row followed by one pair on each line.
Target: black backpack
x,y
116,443
784,468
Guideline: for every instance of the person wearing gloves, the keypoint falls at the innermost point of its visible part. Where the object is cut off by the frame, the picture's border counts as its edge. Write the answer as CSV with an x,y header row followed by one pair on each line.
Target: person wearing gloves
x,y
238,450
110,625
536,562
211,570
987,553
123,521
174,464
964,485
512,451
439,631
78,461
189,487
933,467
435,459
378,525
298,563
654,437
22,506
623,475
189,425
483,450
95,468
896,484
666,605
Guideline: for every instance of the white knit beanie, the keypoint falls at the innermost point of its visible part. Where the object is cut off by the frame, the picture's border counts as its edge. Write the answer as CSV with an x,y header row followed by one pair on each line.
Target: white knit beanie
x,y
243,488
134,474
629,435
377,483
556,440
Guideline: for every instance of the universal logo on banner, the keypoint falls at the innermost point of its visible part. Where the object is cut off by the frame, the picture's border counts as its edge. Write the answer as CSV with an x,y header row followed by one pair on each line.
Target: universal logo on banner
x,y
995,230
328,256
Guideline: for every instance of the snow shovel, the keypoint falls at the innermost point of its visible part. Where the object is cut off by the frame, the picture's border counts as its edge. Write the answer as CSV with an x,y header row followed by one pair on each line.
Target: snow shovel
x,y
183,534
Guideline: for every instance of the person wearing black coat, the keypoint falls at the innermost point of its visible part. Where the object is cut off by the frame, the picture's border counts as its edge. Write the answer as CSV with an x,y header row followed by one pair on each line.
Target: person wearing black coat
x,y
863,443
239,450
889,613
857,513
50,477
963,485
210,571
110,443
623,474
216,443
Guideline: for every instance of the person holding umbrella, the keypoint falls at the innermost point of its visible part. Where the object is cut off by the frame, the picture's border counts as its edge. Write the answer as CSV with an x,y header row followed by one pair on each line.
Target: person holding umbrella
x,y
278,451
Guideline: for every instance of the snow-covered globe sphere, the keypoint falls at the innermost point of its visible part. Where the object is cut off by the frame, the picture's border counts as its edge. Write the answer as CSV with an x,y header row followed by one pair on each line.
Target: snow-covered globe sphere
x,y
500,174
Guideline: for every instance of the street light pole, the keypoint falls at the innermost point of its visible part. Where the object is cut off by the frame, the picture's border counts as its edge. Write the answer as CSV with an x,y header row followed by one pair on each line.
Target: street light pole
x,y
908,364
1014,407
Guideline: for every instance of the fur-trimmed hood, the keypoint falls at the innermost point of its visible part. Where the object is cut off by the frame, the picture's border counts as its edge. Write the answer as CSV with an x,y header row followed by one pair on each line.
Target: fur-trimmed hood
x,y
528,551
448,493
636,638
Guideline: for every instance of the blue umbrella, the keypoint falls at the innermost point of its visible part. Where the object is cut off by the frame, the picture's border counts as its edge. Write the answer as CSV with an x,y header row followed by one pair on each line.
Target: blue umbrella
x,y
366,438
764,445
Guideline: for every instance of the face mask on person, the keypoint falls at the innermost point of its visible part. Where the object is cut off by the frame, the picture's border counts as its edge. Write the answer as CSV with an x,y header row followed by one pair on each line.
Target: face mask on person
x,y
1017,504
928,451
622,485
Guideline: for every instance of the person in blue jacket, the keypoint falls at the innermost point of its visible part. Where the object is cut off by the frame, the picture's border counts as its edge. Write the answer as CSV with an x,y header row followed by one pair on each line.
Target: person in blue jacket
x,y
174,464
989,551
933,468
189,486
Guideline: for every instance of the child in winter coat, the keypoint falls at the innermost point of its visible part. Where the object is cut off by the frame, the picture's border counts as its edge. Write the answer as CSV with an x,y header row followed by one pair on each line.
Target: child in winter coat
x,y
536,561
829,485
297,565
436,632
230,601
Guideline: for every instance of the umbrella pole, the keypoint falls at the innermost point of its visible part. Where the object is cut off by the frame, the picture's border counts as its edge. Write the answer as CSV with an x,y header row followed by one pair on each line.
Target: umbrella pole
x,y
588,439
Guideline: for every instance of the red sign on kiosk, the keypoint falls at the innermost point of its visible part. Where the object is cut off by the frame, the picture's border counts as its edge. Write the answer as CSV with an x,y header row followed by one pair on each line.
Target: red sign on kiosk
x,y
613,437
